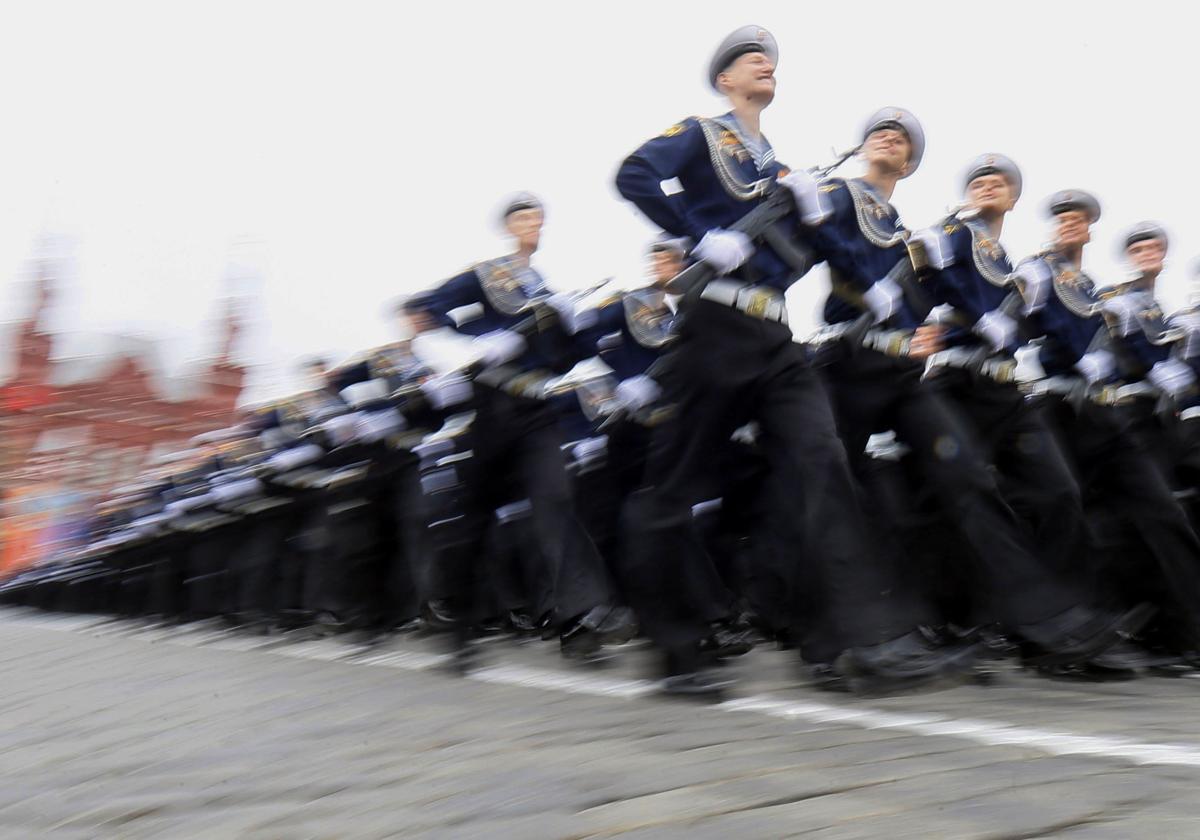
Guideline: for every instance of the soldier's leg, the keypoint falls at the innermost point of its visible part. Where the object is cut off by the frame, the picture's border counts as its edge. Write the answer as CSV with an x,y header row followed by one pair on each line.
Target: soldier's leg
x,y
706,383
1136,488
1043,490
574,579
844,588
1025,592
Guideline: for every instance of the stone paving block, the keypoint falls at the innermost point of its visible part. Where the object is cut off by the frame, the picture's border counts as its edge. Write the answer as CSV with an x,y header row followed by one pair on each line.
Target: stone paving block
x,y
244,741
1143,824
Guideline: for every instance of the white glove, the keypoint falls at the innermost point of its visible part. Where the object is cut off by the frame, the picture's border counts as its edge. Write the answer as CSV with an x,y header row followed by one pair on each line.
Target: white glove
x,y
1189,322
637,392
360,393
446,390
573,319
724,250
297,456
1033,281
372,426
1172,376
937,247
1096,366
1124,309
498,347
1187,319
883,299
234,490
809,199
340,429
997,329
589,449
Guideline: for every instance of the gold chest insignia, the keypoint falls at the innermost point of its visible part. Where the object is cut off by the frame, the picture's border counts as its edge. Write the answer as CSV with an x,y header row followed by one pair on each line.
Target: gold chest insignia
x,y
505,279
733,146
990,247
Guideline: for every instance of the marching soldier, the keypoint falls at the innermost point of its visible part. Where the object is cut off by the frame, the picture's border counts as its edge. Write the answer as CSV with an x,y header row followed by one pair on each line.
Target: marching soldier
x,y
734,361
515,439
631,334
852,224
971,273
1090,411
1155,347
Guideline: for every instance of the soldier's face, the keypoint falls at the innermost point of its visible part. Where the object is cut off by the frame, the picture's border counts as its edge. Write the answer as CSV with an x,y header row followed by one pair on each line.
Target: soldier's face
x,y
888,149
664,265
526,227
1147,256
1072,229
991,194
750,76
417,322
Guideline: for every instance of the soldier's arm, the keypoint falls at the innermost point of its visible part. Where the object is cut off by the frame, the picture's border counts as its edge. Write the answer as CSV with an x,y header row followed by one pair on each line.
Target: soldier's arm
x,y
823,232
461,290
640,177
608,318
950,278
350,374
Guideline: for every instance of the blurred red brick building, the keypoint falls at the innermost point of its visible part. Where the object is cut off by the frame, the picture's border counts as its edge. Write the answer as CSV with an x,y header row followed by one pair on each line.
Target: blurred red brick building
x,y
76,428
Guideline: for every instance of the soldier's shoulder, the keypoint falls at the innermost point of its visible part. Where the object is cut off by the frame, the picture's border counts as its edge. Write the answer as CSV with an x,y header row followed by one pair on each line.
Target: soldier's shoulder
x,y
831,185
684,125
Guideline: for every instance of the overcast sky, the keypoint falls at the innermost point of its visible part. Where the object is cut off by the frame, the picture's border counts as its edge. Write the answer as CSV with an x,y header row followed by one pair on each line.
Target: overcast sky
x,y
344,153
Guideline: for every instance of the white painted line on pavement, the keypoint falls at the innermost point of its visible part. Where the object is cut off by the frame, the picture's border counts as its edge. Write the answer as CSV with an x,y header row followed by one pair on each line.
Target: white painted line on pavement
x,y
986,732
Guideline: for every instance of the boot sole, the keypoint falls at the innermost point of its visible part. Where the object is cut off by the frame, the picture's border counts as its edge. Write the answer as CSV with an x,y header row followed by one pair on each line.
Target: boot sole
x,y
1122,627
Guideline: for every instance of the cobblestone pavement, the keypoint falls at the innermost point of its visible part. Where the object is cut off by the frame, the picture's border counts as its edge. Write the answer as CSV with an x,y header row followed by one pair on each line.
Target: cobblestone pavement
x,y
116,729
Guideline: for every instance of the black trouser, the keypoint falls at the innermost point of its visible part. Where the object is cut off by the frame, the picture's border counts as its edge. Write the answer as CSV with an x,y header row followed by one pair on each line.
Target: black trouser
x,y
1185,452
1035,478
206,564
1157,436
610,508
395,582
1116,472
724,370
874,393
516,454
601,489
729,534
344,567
255,560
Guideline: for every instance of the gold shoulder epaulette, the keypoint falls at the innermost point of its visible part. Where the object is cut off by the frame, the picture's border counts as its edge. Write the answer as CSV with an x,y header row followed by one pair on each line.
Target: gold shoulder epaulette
x,y
678,128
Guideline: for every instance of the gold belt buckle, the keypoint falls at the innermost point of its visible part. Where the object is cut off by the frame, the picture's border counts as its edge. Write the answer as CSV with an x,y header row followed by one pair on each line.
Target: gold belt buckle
x,y
758,303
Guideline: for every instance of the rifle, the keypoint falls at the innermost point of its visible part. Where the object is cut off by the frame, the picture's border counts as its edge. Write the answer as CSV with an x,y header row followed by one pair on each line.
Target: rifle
x,y
757,224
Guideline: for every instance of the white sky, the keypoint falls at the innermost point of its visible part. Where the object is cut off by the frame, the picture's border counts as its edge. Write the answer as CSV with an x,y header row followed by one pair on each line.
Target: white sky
x,y
352,151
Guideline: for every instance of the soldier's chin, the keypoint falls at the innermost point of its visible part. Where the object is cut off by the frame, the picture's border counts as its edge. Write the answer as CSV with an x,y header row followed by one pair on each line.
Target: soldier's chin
x,y
765,92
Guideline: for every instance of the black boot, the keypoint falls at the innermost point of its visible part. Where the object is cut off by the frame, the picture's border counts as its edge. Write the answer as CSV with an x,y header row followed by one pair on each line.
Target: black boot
x,y
1079,634
910,662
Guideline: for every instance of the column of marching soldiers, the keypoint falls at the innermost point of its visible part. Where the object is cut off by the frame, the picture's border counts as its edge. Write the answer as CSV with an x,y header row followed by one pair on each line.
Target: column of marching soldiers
x,y
719,482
